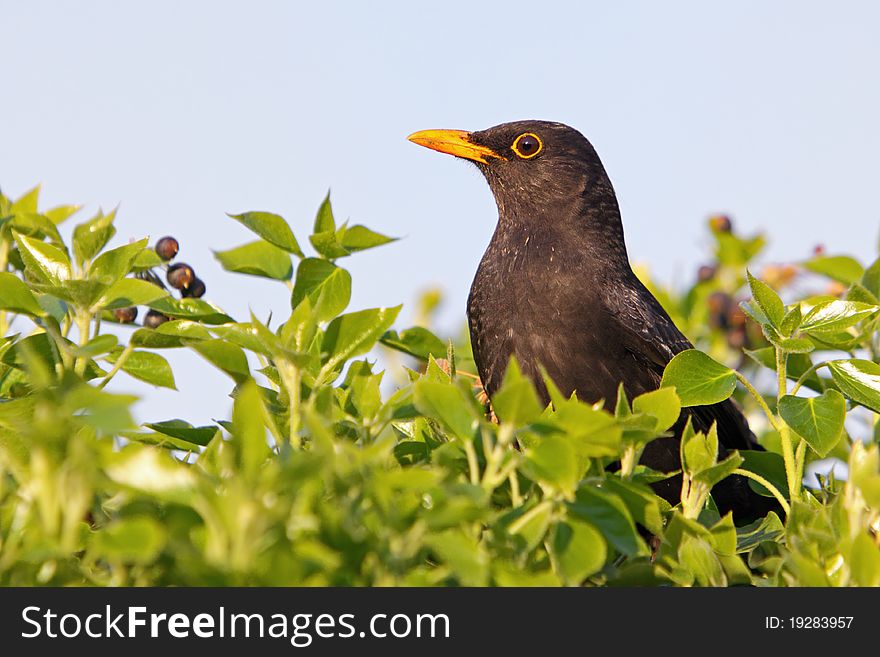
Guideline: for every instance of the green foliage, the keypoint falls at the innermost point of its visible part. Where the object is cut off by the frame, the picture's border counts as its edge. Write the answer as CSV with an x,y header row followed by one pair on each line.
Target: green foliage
x,y
330,472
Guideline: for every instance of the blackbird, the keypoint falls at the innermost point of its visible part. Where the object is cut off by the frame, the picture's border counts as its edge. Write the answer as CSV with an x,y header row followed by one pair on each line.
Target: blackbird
x,y
555,289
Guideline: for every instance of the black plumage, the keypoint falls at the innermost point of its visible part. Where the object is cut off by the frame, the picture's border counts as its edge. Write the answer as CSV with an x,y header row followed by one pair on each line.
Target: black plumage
x,y
555,289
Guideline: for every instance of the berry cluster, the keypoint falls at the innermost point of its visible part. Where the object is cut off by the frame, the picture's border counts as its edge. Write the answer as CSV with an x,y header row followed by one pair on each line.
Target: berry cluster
x,y
179,276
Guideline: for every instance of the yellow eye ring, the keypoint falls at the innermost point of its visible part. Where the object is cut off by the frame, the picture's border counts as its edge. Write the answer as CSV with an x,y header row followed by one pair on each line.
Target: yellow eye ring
x,y
527,145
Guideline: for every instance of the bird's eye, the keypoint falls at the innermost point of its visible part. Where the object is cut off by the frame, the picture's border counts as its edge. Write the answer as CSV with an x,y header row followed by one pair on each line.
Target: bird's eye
x,y
527,145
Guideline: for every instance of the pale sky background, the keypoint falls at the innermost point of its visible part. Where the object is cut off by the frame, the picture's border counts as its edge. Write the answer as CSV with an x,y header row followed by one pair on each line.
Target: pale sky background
x,y
182,111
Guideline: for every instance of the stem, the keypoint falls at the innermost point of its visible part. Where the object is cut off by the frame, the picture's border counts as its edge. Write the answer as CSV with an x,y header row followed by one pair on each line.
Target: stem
x,y
473,466
60,345
800,461
83,320
4,265
758,398
782,372
794,486
118,365
766,484
515,496
628,461
292,379
803,377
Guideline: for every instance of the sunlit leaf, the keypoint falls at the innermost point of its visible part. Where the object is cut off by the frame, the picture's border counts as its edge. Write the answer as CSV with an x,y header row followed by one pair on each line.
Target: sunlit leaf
x,y
698,379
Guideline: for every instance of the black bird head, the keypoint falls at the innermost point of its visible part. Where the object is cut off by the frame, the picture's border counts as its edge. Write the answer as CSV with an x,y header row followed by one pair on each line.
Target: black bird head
x,y
543,175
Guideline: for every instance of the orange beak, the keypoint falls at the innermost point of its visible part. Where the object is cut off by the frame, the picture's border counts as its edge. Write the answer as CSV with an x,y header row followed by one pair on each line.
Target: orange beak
x,y
454,142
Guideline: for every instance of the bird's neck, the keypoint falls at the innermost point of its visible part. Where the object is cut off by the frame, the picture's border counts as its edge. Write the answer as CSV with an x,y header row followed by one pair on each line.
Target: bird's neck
x,y
585,223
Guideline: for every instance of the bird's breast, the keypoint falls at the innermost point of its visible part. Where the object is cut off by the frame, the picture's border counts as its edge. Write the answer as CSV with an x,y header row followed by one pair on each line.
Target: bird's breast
x,y
538,302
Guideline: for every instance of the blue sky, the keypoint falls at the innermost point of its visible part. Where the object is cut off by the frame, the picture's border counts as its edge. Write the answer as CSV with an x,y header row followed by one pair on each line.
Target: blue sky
x,y
181,112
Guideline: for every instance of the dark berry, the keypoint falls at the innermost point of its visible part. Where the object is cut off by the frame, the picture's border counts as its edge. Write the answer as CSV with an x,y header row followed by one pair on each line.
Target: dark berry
x,y
126,315
154,318
719,304
706,273
819,250
735,316
196,289
720,223
167,248
180,276
737,338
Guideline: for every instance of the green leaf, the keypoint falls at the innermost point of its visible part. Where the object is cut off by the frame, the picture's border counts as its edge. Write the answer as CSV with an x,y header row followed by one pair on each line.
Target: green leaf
x,y
792,320
272,228
61,213
363,386
97,346
358,238
146,259
131,292
329,244
185,431
720,471
415,341
864,471
864,561
769,528
871,279
92,236
42,349
698,379
147,367
227,357
592,432
44,263
354,334
257,259
738,251
27,202
789,345
17,297
449,404
250,335
170,335
698,558
532,524
578,551
769,465
190,309
38,226
327,286
767,300
609,514
54,307
859,380
845,269
642,503
467,559
116,263
159,440
819,420
136,540
836,315
723,536
662,404
552,463
324,220
699,451
516,401
248,430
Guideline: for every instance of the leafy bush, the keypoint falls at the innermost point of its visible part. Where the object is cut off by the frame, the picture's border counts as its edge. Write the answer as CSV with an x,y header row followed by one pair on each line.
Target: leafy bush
x,y
321,477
